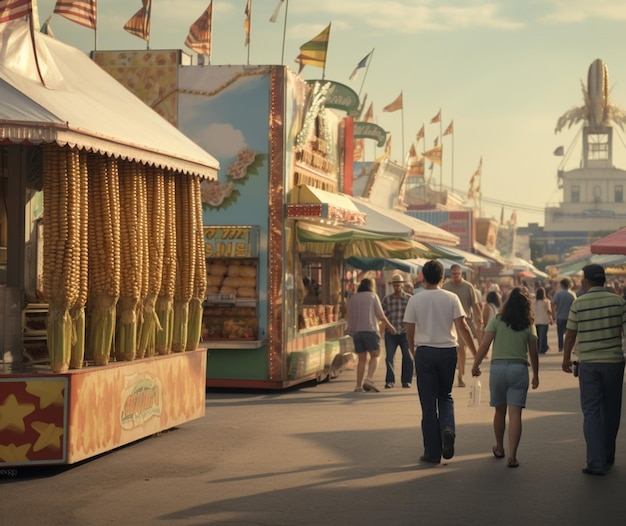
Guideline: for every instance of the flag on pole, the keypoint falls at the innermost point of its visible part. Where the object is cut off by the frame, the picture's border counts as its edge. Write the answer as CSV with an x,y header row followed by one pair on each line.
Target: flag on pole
x,y
14,9
360,65
313,52
46,28
420,134
434,154
474,187
139,23
436,118
449,129
199,37
559,151
83,12
479,170
395,105
246,22
369,114
274,16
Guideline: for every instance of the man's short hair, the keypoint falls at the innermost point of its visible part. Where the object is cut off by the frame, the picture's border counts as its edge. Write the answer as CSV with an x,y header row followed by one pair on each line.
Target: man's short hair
x,y
566,283
433,271
594,274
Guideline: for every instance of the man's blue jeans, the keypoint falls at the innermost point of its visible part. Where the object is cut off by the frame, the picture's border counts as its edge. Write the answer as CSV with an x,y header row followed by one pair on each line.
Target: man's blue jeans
x,y
435,369
601,402
542,338
561,326
392,341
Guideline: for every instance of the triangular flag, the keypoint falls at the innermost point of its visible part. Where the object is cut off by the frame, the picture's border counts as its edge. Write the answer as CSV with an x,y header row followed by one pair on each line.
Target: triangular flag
x,y
274,16
434,154
369,114
360,65
436,118
449,129
82,12
559,151
313,52
246,22
139,23
420,134
395,105
199,37
46,28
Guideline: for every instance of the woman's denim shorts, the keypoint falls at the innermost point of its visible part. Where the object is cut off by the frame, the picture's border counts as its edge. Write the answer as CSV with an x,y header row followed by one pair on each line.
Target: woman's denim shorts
x,y
508,382
366,341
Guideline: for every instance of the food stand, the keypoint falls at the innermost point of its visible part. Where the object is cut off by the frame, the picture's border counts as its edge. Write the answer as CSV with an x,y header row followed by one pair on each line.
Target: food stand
x,y
63,120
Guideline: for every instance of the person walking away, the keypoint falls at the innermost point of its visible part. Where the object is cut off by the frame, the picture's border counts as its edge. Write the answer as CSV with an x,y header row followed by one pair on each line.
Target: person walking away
x,y
508,379
433,319
490,309
472,306
561,303
542,311
363,312
394,305
596,323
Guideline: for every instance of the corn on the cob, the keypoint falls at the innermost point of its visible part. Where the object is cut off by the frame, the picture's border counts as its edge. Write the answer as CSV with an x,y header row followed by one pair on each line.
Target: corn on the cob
x,y
61,269
79,170
164,305
154,245
186,260
194,326
104,256
131,261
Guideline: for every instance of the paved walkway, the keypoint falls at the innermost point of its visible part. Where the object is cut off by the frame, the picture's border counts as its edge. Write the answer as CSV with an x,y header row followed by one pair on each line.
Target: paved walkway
x,y
326,455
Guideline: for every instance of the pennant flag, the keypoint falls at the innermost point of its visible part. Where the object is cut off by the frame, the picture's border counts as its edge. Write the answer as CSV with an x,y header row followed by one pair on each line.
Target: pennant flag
x,y
313,52
274,16
412,152
559,151
395,105
246,22
139,23
434,154
14,9
360,65
83,12
369,114
449,129
199,37
436,141
420,134
46,29
479,170
436,118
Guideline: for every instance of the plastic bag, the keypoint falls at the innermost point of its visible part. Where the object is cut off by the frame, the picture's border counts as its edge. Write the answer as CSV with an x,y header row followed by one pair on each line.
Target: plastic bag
x,y
474,393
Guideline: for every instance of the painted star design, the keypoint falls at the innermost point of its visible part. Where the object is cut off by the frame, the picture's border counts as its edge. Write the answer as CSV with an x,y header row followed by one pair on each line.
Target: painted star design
x,y
49,391
49,435
13,453
12,414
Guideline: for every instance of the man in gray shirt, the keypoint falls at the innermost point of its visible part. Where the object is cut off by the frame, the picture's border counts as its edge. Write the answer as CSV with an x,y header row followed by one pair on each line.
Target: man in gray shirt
x,y
561,303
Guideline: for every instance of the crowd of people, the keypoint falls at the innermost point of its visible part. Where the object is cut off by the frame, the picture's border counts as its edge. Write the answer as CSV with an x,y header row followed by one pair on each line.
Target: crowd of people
x,y
435,323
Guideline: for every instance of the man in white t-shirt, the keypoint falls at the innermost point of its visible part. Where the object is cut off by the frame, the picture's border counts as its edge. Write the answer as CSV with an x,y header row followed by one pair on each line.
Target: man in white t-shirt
x,y
431,318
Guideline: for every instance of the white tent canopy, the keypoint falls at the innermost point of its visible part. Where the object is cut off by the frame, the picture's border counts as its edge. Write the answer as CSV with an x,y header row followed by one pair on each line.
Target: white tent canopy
x,y
83,106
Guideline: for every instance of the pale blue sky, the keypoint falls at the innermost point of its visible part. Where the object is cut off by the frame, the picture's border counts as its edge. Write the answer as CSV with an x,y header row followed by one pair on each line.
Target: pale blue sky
x,y
503,70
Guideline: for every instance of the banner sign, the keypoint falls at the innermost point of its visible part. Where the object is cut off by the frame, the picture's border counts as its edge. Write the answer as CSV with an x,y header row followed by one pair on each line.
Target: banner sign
x,y
369,130
340,97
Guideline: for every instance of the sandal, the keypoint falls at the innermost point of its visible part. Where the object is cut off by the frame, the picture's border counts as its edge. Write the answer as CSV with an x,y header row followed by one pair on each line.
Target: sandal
x,y
496,453
513,463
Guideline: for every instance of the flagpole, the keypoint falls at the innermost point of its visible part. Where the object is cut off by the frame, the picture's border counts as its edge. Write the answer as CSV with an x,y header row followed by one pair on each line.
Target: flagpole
x,y
282,57
249,33
452,152
402,118
366,70
441,143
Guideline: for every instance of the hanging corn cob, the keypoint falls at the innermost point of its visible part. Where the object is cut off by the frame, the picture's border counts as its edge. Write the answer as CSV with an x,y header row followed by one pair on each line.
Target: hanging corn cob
x,y
79,184
154,246
164,305
61,243
186,259
194,327
104,256
131,262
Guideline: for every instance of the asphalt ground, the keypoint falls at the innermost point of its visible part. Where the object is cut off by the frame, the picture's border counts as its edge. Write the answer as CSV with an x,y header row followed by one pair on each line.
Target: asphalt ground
x,y
322,454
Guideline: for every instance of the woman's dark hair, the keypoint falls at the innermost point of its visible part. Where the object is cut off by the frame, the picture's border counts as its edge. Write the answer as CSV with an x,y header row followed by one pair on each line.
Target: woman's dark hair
x,y
516,311
366,285
433,271
540,293
492,297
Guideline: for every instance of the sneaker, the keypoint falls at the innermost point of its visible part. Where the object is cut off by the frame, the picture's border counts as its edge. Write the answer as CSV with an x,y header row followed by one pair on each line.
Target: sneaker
x,y
358,389
406,385
448,444
388,385
368,385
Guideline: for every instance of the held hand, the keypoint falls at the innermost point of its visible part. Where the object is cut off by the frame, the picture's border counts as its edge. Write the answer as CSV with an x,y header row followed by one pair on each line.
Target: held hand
x,y
476,371
535,382
567,366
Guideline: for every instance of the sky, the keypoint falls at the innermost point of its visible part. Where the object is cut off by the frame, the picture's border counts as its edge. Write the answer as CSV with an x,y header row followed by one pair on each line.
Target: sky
x,y
503,71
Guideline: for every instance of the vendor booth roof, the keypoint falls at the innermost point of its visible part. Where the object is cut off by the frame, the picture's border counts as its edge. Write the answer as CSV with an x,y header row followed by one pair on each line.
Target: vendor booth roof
x,y
606,260
614,243
388,221
82,106
461,255
364,263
